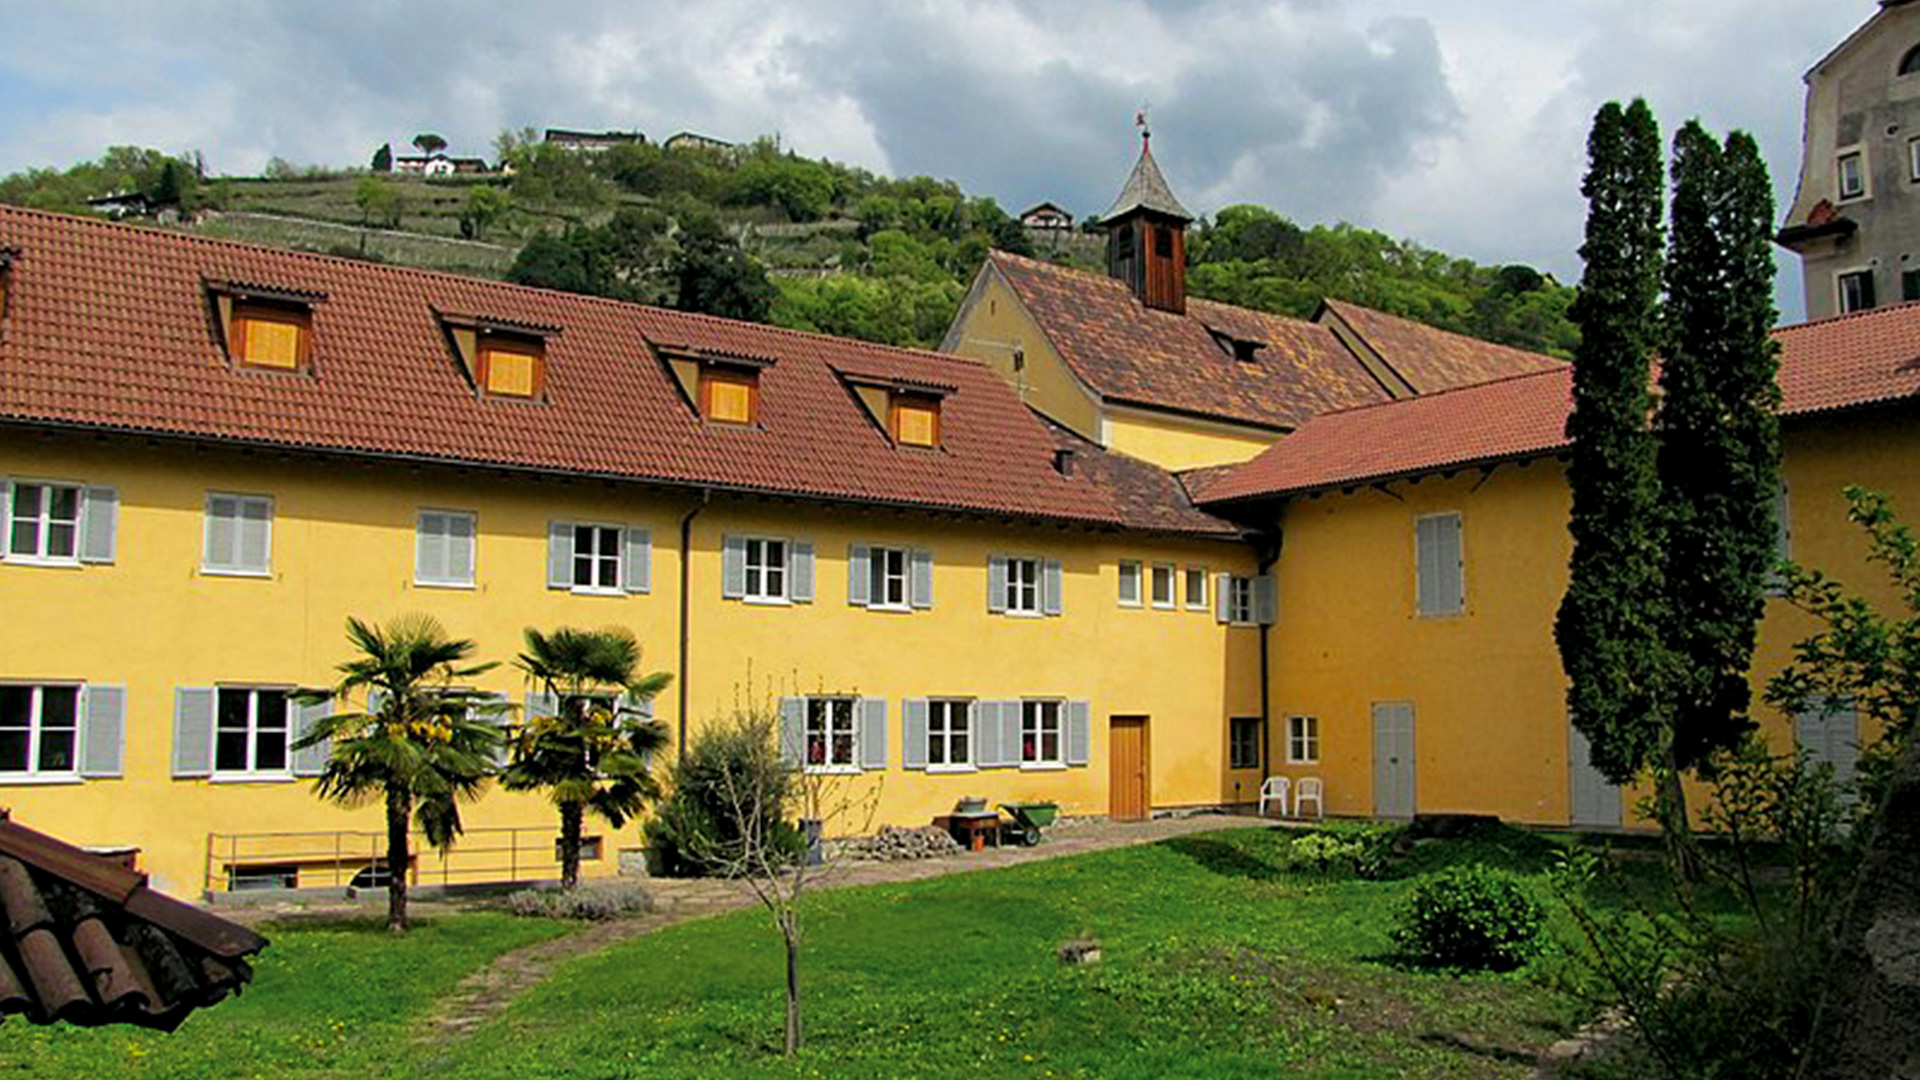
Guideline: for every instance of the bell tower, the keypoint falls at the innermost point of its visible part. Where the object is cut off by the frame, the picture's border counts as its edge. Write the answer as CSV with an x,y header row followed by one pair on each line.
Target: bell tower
x,y
1147,235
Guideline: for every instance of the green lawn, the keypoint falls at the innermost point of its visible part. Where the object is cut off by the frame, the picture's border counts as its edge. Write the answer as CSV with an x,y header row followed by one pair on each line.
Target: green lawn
x,y
1218,962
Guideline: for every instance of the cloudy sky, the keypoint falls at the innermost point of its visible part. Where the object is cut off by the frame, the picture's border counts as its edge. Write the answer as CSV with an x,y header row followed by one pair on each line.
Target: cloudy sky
x,y
1459,123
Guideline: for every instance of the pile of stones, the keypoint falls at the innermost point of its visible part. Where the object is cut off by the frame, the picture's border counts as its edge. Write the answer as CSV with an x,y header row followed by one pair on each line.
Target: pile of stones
x,y
894,843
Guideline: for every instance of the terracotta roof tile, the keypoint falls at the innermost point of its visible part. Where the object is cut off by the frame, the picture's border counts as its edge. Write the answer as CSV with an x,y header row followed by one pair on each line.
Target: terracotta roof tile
x,y
109,326
1852,361
1431,359
1145,496
88,943
1127,352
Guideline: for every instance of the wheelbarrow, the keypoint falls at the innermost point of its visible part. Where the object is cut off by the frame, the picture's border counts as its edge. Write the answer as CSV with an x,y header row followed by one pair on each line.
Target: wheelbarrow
x,y
1028,819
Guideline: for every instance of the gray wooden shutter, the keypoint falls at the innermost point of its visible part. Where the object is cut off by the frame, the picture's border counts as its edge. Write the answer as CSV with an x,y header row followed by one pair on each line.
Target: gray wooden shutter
x,y
793,731
1051,600
99,533
800,571
541,703
983,721
996,583
913,733
193,731
733,567
1010,733
1222,597
1439,567
1426,539
255,536
920,582
1266,600
559,554
1453,565
104,744
639,560
873,732
6,513
1782,538
430,547
1079,732
311,761
461,542
859,585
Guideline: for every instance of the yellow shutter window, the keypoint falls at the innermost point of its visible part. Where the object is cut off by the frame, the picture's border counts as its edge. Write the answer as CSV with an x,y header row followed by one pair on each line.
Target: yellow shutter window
x,y
916,421
270,338
729,397
513,370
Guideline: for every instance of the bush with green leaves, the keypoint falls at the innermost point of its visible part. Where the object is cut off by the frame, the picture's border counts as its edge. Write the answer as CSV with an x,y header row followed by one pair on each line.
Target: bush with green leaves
x,y
1471,917
695,823
1364,853
593,902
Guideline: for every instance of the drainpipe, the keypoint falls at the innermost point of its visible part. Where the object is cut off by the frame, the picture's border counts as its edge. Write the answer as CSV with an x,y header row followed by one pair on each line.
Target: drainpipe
x,y
1268,549
686,571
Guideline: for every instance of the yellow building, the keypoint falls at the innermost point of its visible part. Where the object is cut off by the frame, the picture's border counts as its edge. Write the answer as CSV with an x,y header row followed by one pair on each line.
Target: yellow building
x,y
214,454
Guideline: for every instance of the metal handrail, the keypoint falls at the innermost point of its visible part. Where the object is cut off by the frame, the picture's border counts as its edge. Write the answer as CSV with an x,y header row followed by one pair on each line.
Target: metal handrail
x,y
503,854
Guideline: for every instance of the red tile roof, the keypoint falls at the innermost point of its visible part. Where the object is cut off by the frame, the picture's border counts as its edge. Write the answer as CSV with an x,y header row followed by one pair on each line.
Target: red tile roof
x,y
88,943
1430,359
1852,361
109,326
1130,353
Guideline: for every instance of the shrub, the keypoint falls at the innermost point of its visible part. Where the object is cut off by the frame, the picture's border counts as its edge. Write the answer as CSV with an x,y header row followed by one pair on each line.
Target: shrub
x,y
1470,917
694,822
1364,853
595,901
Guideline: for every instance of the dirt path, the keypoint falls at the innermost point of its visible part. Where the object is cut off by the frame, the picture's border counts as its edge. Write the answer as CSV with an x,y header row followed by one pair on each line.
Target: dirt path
x,y
488,992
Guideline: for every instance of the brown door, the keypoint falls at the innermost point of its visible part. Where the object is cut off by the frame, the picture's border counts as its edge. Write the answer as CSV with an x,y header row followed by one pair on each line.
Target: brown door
x,y
1127,749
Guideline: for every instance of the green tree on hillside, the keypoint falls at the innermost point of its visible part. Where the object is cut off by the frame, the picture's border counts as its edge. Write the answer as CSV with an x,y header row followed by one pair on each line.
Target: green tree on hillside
x,y
383,158
485,206
428,143
379,202
715,277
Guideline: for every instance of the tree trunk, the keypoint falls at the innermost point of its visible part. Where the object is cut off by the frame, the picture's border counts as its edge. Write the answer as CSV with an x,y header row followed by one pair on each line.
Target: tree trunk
x,y
1683,854
790,930
572,814
399,814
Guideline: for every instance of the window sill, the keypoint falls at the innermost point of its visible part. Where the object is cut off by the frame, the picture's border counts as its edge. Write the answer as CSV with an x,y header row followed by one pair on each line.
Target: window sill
x,y
466,586
45,780
214,571
252,778
767,601
1158,606
1043,766
1134,604
581,590
1011,614
33,560
833,770
1201,606
891,609
953,769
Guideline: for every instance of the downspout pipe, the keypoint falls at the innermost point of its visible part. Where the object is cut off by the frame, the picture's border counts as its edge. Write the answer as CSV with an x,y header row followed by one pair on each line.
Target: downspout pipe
x,y
686,575
1267,547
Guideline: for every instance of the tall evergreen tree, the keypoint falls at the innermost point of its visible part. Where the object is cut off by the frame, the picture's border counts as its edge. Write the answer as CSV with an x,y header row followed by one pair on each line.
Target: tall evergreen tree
x,y
1719,436
1608,628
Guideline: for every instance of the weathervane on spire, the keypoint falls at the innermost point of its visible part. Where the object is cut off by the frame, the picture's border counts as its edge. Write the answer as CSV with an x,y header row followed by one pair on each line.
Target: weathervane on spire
x,y
1140,121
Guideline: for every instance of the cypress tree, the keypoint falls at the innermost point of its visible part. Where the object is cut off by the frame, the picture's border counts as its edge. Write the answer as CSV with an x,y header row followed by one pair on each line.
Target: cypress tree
x,y
1719,436
1608,628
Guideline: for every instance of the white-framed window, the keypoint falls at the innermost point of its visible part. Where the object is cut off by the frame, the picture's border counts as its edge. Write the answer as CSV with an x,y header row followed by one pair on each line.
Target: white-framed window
x,y
887,578
1440,567
767,570
1303,740
1855,288
832,735
253,731
444,548
239,538
39,730
948,731
1163,586
1852,166
44,522
1243,742
1196,588
596,558
1240,600
1130,584
1023,586
1041,734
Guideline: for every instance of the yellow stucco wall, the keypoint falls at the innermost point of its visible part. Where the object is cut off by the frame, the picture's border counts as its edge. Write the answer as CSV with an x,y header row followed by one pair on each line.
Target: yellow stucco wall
x,y
1175,443
992,325
343,543
1486,686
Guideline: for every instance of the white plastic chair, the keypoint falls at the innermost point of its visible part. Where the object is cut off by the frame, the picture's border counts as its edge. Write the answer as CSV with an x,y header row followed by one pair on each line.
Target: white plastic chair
x,y
1274,790
1309,789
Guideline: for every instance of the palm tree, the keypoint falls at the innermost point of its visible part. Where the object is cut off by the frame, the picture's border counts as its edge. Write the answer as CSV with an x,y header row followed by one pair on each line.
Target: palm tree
x,y
590,753
424,743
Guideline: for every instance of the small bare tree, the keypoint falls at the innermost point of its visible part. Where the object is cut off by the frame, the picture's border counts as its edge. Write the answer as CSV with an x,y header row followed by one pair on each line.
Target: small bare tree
x,y
758,789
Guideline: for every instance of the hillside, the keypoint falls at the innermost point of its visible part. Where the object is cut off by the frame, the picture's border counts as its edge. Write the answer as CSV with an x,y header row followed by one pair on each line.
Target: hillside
x,y
758,233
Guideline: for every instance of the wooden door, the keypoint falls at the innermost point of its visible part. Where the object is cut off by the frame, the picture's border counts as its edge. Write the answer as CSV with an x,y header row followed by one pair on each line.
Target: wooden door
x,y
1393,760
1128,796
1596,803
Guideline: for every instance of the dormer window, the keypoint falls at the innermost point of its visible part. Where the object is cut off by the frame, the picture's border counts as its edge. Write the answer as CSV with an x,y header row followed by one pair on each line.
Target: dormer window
x,y
276,337
729,395
1910,63
1241,349
512,366
914,419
